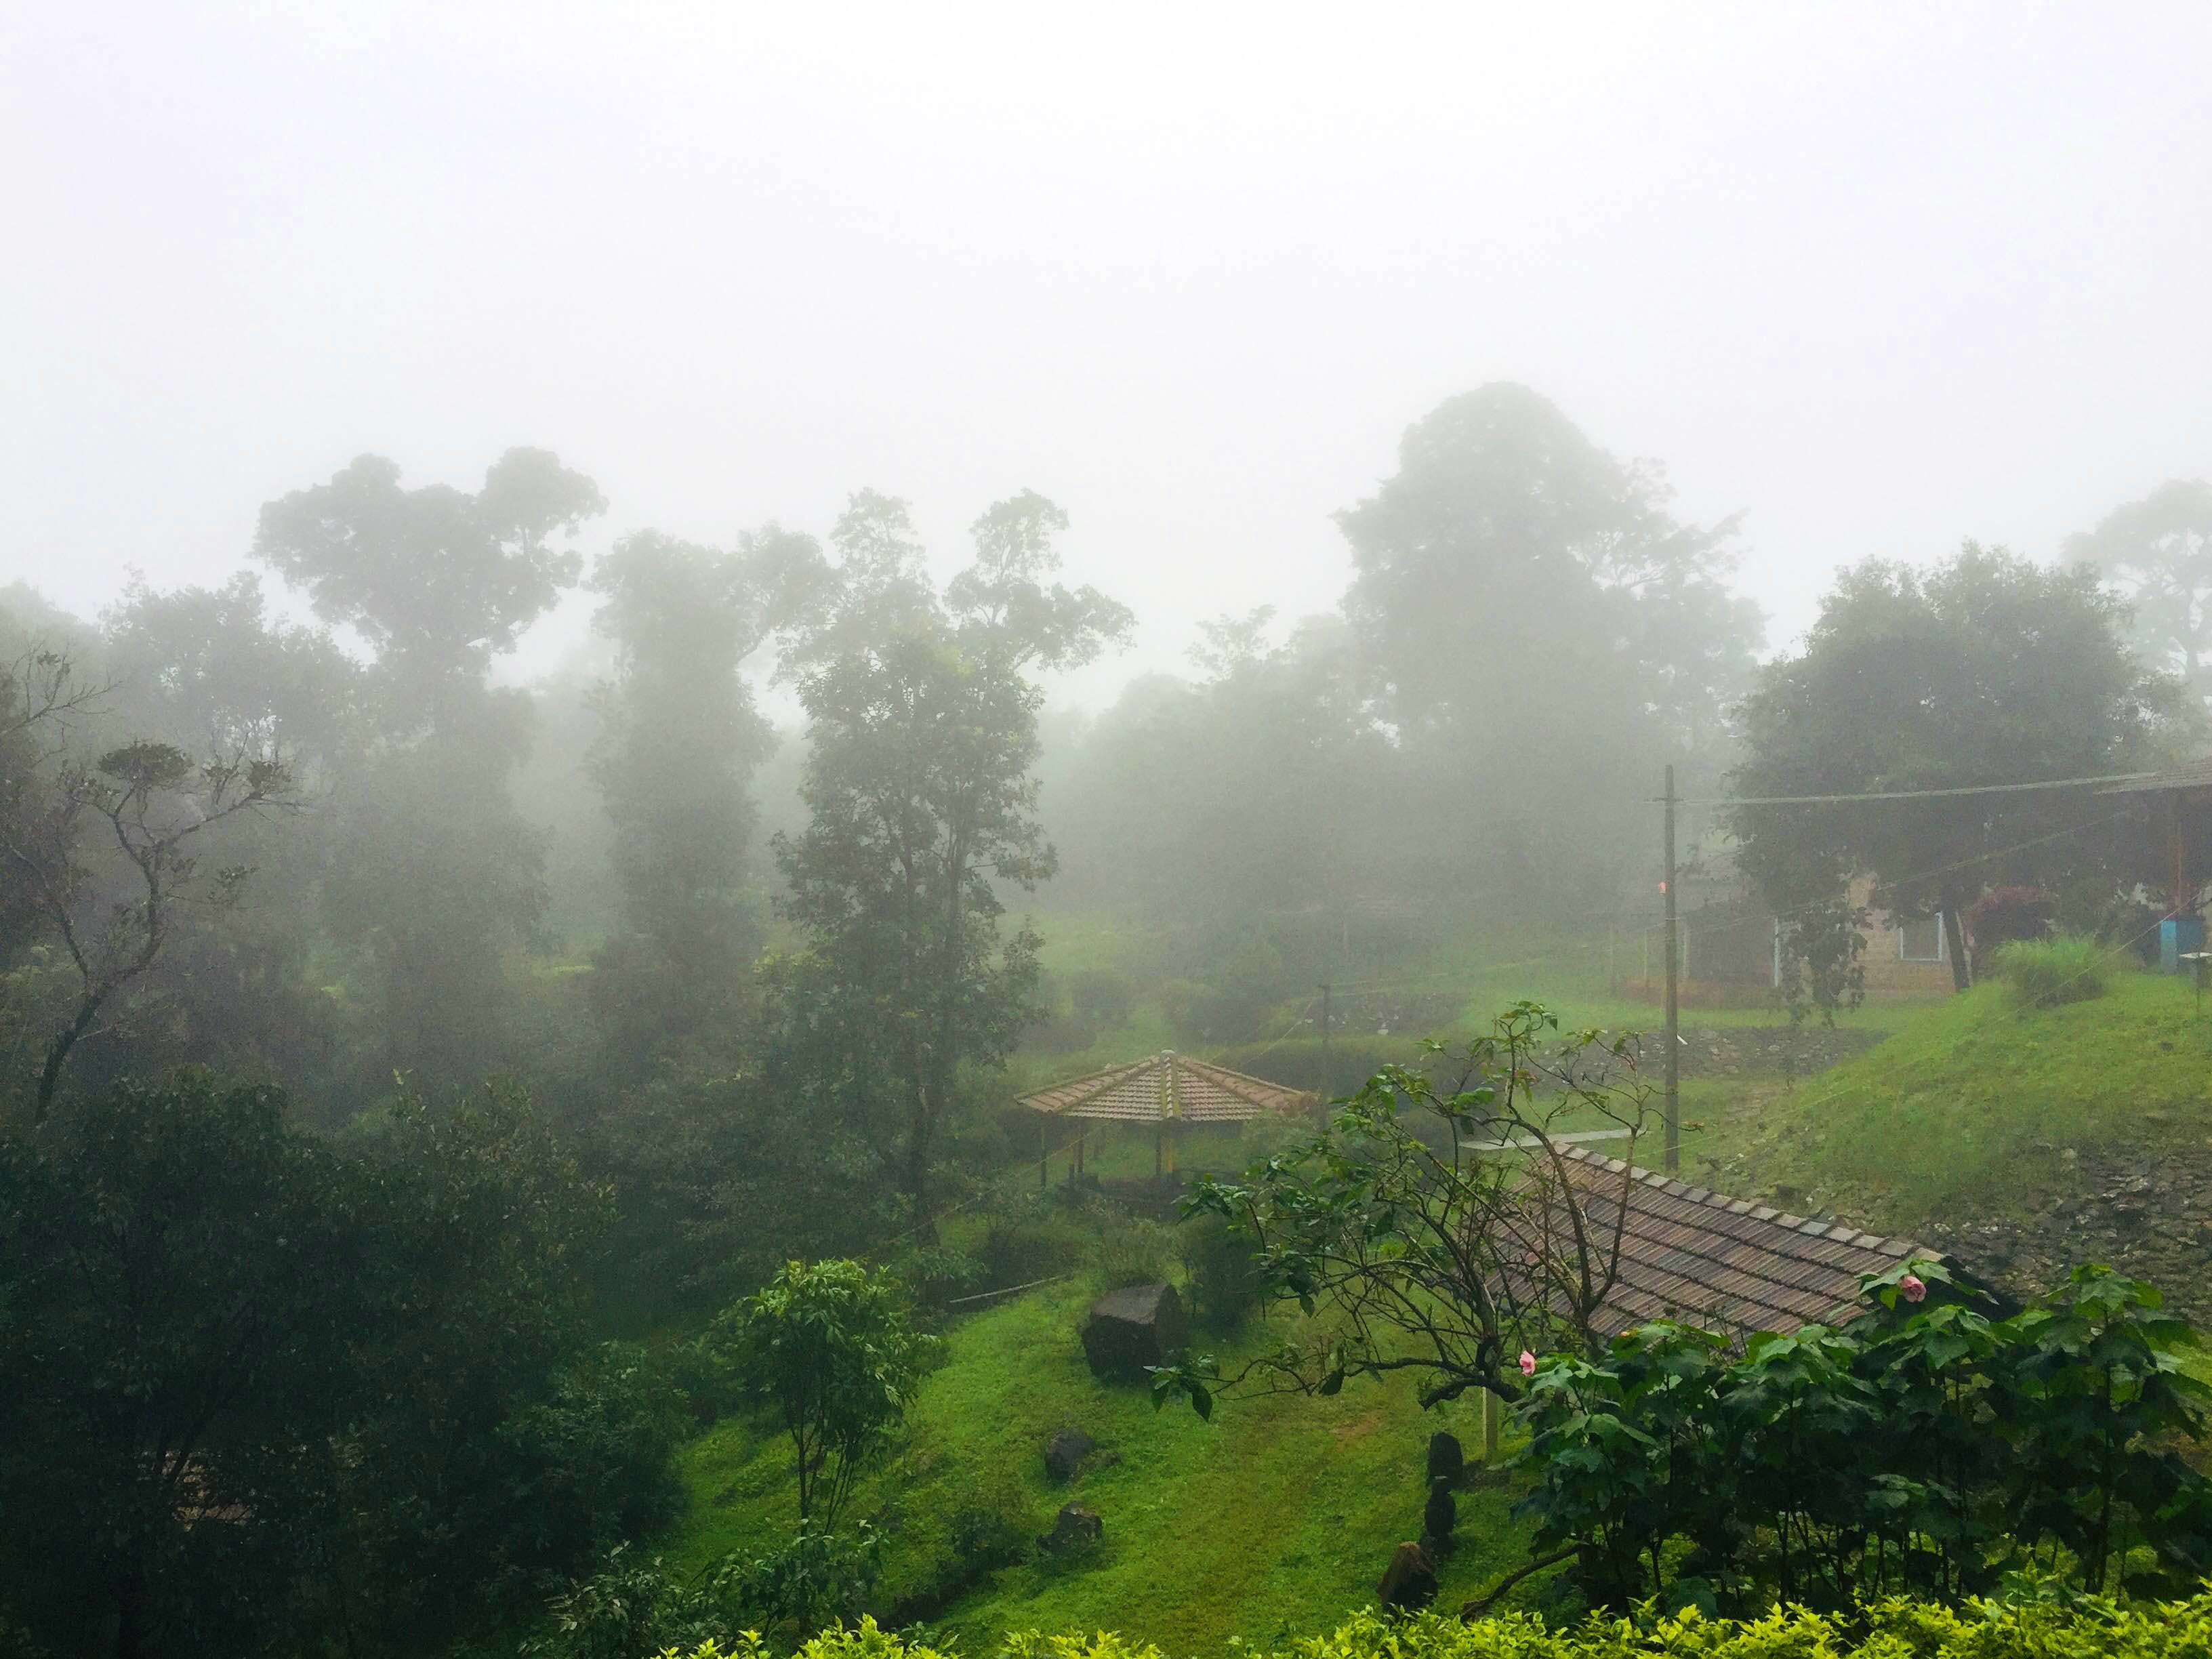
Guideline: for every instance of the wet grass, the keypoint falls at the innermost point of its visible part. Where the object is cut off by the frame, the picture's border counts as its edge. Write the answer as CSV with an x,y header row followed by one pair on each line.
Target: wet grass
x,y
1271,1520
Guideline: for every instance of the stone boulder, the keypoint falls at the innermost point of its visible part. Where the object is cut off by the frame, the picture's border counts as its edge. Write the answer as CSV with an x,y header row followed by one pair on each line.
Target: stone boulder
x,y
1447,1461
1074,1528
1064,1454
1410,1582
1134,1328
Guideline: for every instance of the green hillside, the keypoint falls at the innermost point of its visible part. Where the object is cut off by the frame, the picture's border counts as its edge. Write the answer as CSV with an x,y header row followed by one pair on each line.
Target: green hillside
x,y
1272,1519
1974,1108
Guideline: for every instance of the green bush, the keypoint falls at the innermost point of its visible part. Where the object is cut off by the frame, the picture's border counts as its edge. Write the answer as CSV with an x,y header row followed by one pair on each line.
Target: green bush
x,y
993,1526
1028,1241
2087,1628
936,1274
1225,1275
2043,972
1921,1447
1134,1252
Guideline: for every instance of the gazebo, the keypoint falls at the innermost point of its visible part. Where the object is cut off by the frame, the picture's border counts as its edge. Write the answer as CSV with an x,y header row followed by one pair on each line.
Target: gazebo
x,y
1165,1090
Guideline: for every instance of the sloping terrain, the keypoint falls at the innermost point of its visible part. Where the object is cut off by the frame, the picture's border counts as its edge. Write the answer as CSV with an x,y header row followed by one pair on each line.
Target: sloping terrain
x,y
2024,1139
1272,1519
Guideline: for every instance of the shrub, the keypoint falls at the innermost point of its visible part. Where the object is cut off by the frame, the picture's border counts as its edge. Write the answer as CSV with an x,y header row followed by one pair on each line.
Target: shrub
x,y
993,1526
1030,1241
2044,973
1138,1252
1922,1447
935,1274
2086,1628
632,1609
2005,913
1225,1275
826,1348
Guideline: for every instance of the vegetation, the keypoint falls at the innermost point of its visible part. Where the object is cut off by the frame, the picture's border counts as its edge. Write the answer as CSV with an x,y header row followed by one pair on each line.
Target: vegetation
x,y
1423,1251
826,1349
1255,1525
1928,1449
2046,972
458,1189
1987,670
2079,1629
1995,1103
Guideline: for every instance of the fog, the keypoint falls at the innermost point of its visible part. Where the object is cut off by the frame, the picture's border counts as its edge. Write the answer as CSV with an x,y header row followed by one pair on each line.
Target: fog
x,y
750,757
1878,280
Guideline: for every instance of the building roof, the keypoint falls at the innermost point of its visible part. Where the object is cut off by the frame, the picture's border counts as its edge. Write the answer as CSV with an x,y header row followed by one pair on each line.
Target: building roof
x,y
1169,1087
1724,1263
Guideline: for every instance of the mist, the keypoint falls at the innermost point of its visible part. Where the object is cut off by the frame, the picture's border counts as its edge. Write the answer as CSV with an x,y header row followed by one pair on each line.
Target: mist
x,y
696,699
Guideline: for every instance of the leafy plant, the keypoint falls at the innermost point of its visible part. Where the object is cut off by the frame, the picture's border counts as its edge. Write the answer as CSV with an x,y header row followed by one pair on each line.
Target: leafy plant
x,y
1424,1251
1135,1251
2047,972
2080,1628
1922,1448
828,1348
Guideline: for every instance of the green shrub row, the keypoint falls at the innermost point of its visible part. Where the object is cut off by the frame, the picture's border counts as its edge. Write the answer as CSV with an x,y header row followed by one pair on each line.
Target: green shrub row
x,y
1896,1628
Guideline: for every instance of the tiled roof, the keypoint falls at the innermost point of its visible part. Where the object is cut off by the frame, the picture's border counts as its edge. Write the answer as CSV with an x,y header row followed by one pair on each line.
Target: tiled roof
x,y
1725,1263
1168,1087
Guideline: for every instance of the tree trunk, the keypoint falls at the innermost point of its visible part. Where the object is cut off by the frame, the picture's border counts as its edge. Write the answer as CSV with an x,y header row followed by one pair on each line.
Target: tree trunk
x,y
1955,924
129,1618
57,1053
917,1168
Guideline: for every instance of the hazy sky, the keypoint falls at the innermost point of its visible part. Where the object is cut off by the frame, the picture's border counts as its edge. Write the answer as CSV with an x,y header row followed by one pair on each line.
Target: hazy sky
x,y
1882,276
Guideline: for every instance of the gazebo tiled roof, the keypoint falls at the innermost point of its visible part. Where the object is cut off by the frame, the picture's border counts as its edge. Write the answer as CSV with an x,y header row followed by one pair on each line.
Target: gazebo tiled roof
x,y
1168,1088
1727,1264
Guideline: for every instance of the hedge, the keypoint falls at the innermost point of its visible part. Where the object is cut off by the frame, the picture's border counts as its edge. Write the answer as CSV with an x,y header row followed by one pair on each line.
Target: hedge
x,y
2086,1628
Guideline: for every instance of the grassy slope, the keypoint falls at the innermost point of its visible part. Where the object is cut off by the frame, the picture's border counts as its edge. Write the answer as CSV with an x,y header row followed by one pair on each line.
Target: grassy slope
x,y
1275,1518
1970,1106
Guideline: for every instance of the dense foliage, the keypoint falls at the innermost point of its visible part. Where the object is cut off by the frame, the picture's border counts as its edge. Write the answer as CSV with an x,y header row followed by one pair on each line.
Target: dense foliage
x,y
1924,1447
826,1349
1986,670
263,1387
2076,1629
1424,1250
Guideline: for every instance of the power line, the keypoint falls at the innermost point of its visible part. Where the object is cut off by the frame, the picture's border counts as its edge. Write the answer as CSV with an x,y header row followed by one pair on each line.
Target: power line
x,y
1914,794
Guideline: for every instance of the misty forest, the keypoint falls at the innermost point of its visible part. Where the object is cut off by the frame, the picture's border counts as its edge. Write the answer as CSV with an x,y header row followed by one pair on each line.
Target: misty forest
x,y
891,1095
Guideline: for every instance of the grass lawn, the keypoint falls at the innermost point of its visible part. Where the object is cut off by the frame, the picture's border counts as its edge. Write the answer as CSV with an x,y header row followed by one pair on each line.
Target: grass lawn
x,y
1970,1106
1272,1520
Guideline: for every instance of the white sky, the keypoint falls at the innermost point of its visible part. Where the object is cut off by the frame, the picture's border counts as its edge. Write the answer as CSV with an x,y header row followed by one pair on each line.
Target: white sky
x,y
1883,277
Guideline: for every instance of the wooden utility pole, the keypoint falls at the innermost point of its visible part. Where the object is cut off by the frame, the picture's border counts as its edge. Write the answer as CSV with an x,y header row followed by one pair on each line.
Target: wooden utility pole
x,y
1674,1159
1327,1072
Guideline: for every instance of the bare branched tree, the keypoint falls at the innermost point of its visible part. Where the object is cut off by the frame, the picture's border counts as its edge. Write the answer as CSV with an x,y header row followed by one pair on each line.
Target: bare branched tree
x,y
1434,1227
154,802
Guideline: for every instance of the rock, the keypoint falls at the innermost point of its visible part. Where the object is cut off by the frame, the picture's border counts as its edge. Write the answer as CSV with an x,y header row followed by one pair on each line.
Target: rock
x,y
1440,1515
1072,1529
1132,1329
1447,1461
1409,1584
1064,1454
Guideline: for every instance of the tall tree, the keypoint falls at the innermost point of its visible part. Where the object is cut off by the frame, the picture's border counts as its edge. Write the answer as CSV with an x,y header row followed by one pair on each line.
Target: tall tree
x,y
435,873
1986,670
1540,629
1235,812
679,738
2158,551
183,1280
922,723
